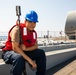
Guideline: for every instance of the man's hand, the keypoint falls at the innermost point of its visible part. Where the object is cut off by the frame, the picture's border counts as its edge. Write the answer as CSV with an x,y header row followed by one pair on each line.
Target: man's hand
x,y
23,47
33,64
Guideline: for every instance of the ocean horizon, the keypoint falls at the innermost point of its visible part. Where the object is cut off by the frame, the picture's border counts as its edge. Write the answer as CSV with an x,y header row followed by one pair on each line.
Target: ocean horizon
x,y
3,37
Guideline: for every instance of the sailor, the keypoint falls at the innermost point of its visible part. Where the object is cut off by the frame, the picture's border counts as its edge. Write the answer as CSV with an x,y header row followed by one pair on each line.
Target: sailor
x,y
17,54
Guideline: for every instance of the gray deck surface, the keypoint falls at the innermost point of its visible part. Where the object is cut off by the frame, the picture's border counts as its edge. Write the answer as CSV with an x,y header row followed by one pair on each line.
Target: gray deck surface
x,y
66,68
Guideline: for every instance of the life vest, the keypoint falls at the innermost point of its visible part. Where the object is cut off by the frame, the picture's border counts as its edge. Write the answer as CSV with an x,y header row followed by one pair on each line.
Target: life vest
x,y
28,39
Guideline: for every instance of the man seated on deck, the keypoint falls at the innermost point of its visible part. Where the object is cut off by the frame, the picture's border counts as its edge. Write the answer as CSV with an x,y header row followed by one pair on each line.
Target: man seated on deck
x,y
16,54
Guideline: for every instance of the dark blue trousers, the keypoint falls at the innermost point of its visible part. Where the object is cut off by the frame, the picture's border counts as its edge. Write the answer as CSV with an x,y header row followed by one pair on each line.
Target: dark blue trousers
x,y
18,62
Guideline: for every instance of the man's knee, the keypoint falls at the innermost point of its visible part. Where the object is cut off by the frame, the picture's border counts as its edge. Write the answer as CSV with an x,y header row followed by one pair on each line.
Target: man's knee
x,y
18,57
41,52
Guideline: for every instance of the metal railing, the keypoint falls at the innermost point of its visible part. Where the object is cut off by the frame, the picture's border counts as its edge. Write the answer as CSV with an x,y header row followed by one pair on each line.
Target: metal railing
x,y
44,34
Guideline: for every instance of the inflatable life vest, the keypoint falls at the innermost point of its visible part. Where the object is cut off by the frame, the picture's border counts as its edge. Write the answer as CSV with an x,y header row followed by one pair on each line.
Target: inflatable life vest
x,y
28,39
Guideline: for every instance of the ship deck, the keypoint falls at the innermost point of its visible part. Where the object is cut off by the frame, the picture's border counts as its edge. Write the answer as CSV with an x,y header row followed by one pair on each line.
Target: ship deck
x,y
66,68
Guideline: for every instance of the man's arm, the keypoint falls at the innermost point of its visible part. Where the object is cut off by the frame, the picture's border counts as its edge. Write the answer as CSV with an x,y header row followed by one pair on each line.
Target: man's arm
x,y
32,47
16,47
24,48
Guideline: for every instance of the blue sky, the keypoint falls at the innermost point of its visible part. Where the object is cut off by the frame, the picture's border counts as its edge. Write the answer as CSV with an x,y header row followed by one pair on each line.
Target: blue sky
x,y
52,13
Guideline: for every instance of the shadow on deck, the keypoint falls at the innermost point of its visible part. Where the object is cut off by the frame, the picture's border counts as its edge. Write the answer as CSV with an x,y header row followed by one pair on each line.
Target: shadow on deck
x,y
57,68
